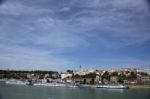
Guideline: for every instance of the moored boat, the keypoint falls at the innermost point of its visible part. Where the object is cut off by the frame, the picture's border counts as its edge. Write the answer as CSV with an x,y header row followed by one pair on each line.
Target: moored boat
x,y
16,82
113,86
84,86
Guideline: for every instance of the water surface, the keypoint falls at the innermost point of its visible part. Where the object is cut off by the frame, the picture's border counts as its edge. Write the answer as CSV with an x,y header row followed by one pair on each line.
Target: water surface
x,y
43,92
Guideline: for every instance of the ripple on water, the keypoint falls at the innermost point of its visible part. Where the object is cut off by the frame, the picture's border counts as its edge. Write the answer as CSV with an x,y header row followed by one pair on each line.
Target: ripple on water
x,y
50,98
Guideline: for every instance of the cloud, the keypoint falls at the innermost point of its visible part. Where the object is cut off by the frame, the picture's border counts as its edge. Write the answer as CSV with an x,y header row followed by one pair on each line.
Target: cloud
x,y
121,23
84,18
20,9
64,9
16,57
134,4
12,8
69,28
126,61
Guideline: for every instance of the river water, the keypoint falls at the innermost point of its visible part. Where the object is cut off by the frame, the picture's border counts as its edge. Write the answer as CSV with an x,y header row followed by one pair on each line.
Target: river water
x,y
43,92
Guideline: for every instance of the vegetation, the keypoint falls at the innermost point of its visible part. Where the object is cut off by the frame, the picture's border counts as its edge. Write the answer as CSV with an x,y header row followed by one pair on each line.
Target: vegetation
x,y
92,81
132,76
114,74
70,71
91,75
23,74
91,78
121,78
106,75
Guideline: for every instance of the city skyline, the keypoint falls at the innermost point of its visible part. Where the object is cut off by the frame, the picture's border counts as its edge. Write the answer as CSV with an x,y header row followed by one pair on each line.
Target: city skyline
x,y
60,35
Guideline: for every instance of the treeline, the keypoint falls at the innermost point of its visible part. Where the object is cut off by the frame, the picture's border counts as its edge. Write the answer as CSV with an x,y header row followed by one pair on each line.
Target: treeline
x,y
90,75
24,71
120,77
16,74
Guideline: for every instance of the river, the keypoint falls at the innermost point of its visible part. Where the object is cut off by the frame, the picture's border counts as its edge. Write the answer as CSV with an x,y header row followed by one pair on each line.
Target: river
x,y
43,92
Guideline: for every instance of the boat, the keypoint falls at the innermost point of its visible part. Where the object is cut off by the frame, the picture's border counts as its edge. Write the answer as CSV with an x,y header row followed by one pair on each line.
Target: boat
x,y
16,82
71,86
83,86
113,86
56,85
49,84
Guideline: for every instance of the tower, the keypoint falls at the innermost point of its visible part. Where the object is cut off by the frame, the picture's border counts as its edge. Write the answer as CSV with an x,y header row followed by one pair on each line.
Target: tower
x,y
80,67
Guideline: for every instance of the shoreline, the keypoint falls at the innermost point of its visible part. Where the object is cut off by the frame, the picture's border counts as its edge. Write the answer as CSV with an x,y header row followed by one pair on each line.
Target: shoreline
x,y
17,82
139,86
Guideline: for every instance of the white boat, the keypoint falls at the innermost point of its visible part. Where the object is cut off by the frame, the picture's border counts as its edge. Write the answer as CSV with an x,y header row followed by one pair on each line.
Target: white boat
x,y
71,86
48,84
16,82
55,85
113,86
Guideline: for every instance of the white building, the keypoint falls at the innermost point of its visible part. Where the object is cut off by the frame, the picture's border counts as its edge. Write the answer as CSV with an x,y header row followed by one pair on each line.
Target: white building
x,y
65,75
81,72
144,71
147,71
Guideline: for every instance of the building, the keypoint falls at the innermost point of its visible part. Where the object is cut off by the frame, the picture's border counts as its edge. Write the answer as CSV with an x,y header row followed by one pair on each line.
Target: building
x,y
146,79
114,79
55,75
84,80
147,71
81,72
66,75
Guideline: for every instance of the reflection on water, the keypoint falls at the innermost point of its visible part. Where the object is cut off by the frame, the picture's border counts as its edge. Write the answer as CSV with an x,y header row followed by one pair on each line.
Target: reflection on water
x,y
117,90
34,92
50,98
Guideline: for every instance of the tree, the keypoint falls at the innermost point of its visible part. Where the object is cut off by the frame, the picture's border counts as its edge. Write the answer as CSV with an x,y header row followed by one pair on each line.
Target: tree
x,y
91,75
23,75
106,76
76,76
120,79
144,74
92,81
41,76
132,76
114,74
84,81
70,71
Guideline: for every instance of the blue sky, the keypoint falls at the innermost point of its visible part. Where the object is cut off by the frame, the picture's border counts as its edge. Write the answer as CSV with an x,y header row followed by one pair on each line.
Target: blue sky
x,y
63,34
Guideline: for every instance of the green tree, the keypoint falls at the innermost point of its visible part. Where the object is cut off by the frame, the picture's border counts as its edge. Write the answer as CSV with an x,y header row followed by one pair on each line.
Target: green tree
x,y
70,71
114,74
91,75
76,76
106,76
41,76
84,81
92,81
133,76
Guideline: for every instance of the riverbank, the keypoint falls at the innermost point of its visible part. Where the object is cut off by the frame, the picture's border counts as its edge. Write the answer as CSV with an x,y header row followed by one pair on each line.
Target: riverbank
x,y
139,86
3,80
18,82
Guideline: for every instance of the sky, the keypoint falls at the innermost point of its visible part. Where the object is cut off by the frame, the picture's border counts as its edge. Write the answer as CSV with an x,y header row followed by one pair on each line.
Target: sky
x,y
64,34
